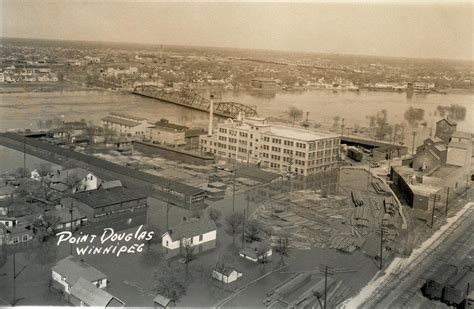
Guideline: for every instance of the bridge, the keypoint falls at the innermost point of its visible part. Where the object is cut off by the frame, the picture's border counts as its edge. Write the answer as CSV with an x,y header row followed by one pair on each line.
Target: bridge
x,y
192,100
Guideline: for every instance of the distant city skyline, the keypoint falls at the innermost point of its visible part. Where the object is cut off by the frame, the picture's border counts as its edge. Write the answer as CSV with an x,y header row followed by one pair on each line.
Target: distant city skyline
x,y
421,30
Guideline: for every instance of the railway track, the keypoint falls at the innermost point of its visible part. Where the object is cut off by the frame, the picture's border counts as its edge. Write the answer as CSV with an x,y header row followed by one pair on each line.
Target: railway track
x,y
404,270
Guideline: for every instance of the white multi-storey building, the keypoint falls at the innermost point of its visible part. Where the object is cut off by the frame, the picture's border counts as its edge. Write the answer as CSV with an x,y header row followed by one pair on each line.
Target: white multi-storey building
x,y
283,148
126,124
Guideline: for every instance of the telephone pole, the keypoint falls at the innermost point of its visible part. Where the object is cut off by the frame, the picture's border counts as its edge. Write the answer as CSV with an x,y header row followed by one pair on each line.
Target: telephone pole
x,y
435,198
447,202
327,271
413,144
381,242
15,275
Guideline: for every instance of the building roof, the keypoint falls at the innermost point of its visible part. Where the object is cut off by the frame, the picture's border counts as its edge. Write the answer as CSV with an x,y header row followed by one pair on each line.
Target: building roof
x,y
462,134
194,133
61,176
74,268
64,214
162,300
125,115
192,227
91,295
298,134
457,145
110,184
451,122
170,126
75,125
125,122
101,198
264,79
226,270
7,190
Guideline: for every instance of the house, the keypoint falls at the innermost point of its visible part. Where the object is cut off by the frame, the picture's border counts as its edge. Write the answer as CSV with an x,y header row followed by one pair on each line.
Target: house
x,y
256,252
8,222
35,175
167,133
67,272
6,191
126,124
161,301
85,294
60,180
200,233
19,234
445,129
116,205
226,273
5,206
64,215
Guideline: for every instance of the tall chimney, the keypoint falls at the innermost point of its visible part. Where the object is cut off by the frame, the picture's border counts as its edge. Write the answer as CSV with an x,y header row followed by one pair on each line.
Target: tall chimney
x,y
211,114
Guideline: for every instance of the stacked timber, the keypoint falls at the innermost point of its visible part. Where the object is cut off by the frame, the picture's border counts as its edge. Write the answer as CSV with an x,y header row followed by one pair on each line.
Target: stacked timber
x,y
309,294
362,216
390,206
378,188
357,198
288,287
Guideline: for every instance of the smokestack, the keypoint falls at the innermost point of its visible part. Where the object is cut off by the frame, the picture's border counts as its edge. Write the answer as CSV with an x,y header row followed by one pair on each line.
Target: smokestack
x,y
211,114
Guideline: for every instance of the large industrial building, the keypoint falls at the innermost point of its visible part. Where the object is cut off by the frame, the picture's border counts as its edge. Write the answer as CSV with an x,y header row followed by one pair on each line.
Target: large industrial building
x,y
286,149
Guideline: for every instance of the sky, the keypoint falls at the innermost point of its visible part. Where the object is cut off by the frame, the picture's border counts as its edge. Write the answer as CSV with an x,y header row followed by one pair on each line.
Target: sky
x,y
424,29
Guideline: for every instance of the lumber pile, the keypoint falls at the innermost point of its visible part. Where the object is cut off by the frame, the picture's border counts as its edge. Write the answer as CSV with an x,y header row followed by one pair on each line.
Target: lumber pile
x,y
357,198
378,188
390,206
286,288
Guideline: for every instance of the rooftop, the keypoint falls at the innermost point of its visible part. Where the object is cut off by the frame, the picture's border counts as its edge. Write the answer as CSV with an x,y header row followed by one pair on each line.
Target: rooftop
x,y
299,134
74,268
92,295
125,115
192,227
457,145
125,122
172,126
462,134
449,121
101,198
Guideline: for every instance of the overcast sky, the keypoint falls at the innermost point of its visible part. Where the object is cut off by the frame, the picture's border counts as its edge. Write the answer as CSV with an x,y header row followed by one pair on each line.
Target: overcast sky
x,y
413,29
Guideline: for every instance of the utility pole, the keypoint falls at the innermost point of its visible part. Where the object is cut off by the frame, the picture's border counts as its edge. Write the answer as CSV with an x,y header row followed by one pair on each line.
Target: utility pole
x,y
24,155
15,275
447,201
233,190
413,144
243,230
327,271
71,213
342,128
381,242
435,198
167,205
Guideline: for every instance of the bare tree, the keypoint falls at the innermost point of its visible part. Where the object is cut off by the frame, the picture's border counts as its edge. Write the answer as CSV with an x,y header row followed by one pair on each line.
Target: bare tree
x,y
294,114
169,281
234,221
187,250
22,172
252,230
282,248
214,214
261,251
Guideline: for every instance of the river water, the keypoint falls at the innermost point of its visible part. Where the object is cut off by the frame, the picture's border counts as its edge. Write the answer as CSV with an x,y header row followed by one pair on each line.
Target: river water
x,y
23,110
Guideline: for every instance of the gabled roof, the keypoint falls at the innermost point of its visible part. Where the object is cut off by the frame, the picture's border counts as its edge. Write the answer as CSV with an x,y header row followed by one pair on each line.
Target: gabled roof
x,y
451,122
91,295
101,198
192,227
62,175
73,268
162,300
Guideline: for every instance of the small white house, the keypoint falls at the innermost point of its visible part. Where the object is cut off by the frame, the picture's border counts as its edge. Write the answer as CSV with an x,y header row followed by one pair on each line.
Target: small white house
x,y
200,233
255,253
58,180
226,274
67,272
35,175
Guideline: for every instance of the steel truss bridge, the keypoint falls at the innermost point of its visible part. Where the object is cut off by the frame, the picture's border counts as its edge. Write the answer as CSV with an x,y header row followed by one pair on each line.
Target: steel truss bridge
x,y
192,100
